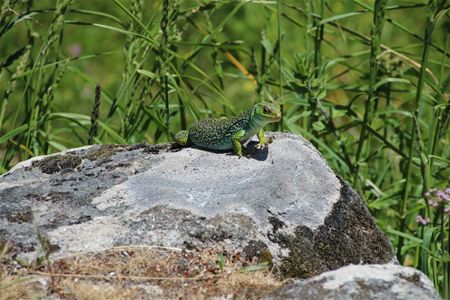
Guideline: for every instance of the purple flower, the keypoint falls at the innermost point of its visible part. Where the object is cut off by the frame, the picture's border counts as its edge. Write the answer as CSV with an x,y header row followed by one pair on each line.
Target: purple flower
x,y
421,220
443,196
432,203
437,197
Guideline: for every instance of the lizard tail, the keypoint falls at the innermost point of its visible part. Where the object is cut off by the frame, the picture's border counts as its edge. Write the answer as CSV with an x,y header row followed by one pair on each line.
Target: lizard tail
x,y
182,138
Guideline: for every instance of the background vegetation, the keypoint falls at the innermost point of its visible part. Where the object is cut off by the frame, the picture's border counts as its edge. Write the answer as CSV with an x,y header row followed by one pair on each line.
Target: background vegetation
x,y
366,81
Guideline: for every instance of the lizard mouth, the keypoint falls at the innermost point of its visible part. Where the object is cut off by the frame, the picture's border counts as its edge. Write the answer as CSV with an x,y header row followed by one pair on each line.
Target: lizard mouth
x,y
276,117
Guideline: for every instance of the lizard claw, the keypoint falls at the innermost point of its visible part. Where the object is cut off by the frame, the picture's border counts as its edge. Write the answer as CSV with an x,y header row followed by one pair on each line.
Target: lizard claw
x,y
260,146
245,153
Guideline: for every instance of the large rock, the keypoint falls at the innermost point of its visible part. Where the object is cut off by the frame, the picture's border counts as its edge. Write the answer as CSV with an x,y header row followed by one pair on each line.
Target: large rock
x,y
284,204
361,282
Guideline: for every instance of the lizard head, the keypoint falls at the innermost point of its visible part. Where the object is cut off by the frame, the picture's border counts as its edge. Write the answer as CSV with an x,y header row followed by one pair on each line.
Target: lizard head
x,y
267,112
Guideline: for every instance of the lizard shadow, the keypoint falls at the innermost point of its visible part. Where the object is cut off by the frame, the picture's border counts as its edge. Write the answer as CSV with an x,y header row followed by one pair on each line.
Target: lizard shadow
x,y
250,147
255,153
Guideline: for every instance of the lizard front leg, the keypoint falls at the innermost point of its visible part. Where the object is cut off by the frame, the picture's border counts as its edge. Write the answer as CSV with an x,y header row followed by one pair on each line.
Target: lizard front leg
x,y
236,140
262,140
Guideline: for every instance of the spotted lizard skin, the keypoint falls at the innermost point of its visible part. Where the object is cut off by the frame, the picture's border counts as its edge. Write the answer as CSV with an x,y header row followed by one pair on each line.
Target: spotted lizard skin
x,y
229,133
215,134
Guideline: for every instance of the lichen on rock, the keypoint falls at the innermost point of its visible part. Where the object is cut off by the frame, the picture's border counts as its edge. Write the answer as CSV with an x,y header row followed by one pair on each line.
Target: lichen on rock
x,y
286,207
283,206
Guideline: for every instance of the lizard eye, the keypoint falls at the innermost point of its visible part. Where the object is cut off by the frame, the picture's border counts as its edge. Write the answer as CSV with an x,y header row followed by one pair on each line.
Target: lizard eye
x,y
266,110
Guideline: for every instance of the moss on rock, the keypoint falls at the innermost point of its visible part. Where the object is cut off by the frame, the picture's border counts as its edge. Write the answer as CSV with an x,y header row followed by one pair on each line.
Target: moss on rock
x,y
25,216
260,250
103,151
57,163
349,236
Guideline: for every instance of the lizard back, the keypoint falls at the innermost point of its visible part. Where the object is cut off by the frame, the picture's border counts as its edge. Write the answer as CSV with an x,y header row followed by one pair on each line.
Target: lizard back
x,y
216,134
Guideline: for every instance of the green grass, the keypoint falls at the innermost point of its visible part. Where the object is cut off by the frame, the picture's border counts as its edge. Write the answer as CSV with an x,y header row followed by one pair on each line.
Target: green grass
x,y
366,81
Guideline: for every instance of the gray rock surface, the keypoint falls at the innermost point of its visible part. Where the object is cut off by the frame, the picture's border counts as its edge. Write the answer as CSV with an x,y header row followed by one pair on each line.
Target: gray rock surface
x,y
363,282
284,204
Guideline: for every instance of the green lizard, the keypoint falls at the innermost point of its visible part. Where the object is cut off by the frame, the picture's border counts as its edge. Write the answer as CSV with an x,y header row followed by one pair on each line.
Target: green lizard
x,y
229,133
